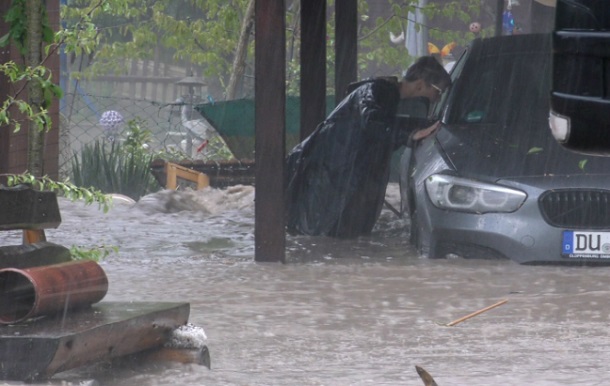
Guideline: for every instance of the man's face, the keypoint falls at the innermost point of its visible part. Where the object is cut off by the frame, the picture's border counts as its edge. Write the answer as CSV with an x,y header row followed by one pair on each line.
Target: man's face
x,y
432,92
420,88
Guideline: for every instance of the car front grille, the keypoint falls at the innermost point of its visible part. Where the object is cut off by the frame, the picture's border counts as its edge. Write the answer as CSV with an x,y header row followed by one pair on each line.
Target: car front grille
x,y
576,208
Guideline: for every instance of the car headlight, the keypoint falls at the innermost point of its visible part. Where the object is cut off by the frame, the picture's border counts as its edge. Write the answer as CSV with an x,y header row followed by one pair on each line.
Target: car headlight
x,y
454,193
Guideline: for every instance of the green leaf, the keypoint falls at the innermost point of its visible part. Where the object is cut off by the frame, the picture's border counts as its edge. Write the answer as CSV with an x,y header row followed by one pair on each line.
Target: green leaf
x,y
95,253
581,164
4,40
535,150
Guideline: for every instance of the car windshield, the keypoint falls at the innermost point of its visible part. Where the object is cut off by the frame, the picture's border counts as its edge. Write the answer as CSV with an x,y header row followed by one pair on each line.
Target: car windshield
x,y
503,88
499,107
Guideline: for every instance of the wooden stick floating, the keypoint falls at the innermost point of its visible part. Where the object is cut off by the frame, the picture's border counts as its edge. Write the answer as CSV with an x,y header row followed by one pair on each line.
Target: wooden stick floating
x,y
460,320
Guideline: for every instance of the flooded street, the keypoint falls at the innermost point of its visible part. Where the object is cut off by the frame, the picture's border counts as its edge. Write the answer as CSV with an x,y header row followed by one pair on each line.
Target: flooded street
x,y
357,312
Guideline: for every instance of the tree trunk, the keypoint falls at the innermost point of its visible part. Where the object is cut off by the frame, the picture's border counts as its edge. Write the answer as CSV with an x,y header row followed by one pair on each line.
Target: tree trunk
x,y
239,63
34,11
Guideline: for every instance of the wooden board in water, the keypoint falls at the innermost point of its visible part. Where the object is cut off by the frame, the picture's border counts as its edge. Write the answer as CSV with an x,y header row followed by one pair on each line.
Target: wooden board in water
x,y
42,347
221,174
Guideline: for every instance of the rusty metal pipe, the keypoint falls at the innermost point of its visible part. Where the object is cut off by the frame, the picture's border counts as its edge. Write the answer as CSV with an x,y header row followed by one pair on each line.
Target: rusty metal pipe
x,y
26,293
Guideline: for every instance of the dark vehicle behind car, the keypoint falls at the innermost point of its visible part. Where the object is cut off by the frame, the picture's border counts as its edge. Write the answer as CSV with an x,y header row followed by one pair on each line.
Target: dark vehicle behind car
x,y
494,183
580,99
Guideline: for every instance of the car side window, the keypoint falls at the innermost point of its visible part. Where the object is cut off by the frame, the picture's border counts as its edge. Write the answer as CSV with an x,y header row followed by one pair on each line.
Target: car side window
x,y
439,109
474,104
478,106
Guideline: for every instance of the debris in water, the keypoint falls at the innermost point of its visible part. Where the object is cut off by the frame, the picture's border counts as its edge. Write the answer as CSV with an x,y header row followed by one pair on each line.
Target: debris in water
x,y
187,336
460,320
425,376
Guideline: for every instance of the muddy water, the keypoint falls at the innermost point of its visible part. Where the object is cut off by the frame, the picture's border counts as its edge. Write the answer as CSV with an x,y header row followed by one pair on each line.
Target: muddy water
x,y
361,312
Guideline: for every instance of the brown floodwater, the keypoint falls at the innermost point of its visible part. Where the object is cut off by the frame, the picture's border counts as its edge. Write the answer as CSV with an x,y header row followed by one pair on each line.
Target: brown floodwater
x,y
357,312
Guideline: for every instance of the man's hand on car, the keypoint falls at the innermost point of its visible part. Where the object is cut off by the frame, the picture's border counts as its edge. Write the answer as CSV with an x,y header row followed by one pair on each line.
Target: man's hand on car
x,y
423,133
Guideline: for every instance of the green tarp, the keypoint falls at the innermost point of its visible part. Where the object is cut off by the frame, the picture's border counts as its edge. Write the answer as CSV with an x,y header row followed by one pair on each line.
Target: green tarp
x,y
234,120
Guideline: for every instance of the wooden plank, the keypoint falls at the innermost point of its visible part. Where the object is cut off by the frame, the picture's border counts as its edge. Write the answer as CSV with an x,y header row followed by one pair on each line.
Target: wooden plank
x,y
220,174
52,344
171,178
174,171
143,85
157,60
27,208
132,85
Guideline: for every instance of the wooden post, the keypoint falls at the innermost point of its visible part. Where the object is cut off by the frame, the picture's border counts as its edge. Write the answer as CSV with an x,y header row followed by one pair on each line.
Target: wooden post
x,y
499,12
313,65
270,136
346,49
173,172
31,236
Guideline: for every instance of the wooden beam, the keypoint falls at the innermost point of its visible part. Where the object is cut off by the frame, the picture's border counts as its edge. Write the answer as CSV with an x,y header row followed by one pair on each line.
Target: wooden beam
x,y
270,136
313,65
346,48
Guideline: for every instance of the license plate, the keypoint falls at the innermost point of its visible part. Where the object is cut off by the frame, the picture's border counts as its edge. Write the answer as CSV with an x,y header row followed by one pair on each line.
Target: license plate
x,y
578,244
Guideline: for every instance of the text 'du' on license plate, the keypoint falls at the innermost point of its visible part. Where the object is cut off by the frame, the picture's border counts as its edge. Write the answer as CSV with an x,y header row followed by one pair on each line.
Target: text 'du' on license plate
x,y
578,244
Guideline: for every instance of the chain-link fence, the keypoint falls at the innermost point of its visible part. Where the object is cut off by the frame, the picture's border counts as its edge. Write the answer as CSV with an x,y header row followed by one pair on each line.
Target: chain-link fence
x,y
87,118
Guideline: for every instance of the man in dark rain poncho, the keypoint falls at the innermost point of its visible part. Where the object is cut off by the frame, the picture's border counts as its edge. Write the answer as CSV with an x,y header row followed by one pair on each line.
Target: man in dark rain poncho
x,y
336,178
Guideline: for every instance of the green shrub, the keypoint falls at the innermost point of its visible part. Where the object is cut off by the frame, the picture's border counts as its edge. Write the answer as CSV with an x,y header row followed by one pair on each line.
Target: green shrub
x,y
115,167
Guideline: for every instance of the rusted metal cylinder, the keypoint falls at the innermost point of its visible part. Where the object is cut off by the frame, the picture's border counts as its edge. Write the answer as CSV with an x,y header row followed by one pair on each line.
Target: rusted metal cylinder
x,y
26,293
